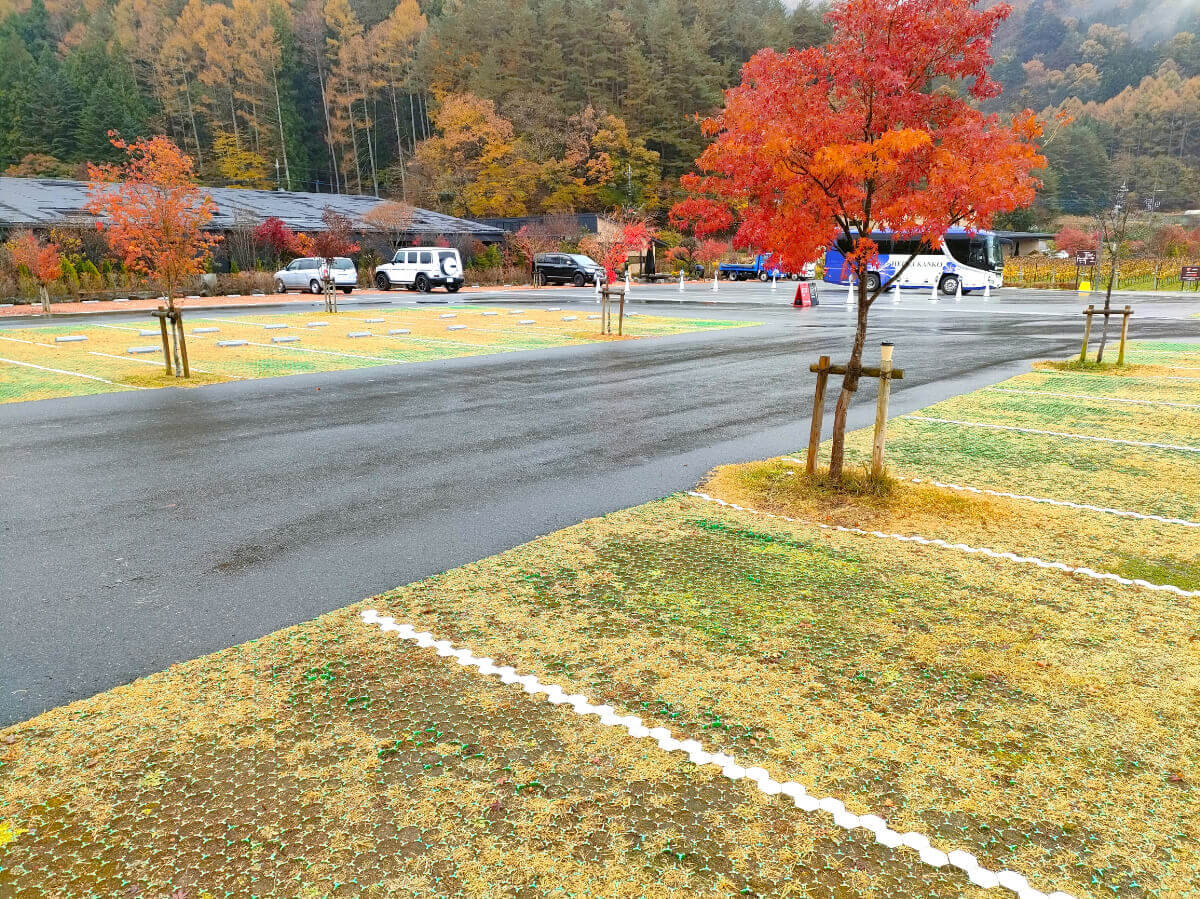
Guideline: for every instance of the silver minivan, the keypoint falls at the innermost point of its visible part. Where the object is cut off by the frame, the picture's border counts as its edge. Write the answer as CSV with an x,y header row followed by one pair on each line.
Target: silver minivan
x,y
306,274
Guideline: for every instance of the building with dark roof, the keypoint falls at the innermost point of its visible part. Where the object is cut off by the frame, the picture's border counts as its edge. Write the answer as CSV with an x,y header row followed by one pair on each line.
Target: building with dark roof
x,y
43,203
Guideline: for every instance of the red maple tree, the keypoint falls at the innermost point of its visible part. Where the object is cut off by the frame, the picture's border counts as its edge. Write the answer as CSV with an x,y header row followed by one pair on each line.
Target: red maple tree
x,y
336,239
275,236
875,130
154,215
42,262
1073,241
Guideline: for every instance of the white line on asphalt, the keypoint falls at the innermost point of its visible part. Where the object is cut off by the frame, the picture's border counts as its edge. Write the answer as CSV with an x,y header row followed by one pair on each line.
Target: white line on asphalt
x,y
698,755
74,374
1124,513
961,547
981,424
1101,399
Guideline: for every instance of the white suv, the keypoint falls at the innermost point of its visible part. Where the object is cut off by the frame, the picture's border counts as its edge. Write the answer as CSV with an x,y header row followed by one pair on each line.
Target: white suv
x,y
422,268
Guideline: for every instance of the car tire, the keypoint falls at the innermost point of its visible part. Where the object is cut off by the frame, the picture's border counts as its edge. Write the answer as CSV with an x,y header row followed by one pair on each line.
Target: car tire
x,y
579,280
872,282
382,281
314,286
279,286
421,284
346,290
453,288
949,285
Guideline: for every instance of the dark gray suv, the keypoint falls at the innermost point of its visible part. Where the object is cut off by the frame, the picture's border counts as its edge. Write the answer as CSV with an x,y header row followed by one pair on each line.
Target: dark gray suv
x,y
566,268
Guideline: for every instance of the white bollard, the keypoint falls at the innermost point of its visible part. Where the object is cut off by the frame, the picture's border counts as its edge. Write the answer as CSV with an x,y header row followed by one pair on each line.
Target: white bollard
x,y
681,281
933,291
896,291
714,280
626,282
987,290
958,291
774,276
597,287
850,292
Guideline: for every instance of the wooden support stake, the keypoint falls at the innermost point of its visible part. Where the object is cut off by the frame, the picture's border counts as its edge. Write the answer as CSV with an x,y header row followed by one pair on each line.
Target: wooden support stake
x,y
881,407
621,317
161,315
1124,334
818,411
187,372
1087,331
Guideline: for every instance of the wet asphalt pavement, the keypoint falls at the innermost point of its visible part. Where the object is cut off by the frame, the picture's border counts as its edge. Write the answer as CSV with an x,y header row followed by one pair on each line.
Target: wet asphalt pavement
x,y
149,527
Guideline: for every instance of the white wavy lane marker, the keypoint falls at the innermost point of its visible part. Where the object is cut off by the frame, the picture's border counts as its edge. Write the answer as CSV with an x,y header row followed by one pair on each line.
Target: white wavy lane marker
x,y
698,755
73,374
1098,399
960,547
981,424
1124,513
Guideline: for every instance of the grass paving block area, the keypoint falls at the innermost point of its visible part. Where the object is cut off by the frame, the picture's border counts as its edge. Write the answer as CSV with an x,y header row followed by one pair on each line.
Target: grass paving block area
x,y
1042,721
34,366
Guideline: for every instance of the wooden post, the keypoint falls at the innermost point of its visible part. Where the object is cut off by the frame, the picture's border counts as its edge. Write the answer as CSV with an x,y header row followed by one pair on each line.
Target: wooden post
x,y
1087,331
621,316
881,406
818,411
187,373
161,315
1124,334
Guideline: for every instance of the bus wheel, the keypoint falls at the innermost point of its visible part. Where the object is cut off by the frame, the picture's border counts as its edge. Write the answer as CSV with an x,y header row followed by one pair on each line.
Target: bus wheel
x,y
949,285
872,282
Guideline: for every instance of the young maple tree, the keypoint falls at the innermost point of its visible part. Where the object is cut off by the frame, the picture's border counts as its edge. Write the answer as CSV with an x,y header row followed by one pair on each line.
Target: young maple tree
x,y
336,239
273,234
1073,241
393,219
41,261
612,248
875,130
154,216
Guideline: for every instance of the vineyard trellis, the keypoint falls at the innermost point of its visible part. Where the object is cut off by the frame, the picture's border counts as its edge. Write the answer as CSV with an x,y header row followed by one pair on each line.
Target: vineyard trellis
x,y
1134,274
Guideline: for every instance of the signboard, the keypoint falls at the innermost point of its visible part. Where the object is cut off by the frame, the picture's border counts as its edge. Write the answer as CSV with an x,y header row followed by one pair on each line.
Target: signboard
x,y
1190,273
1085,257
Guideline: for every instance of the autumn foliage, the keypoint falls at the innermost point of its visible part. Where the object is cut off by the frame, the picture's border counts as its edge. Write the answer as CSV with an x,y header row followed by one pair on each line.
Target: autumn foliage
x,y
152,211
1073,241
40,261
876,129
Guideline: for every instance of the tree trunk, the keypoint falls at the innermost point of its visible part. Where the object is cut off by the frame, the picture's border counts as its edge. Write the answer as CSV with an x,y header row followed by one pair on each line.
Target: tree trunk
x,y
45,295
399,144
849,386
187,92
328,128
1112,276
287,173
176,331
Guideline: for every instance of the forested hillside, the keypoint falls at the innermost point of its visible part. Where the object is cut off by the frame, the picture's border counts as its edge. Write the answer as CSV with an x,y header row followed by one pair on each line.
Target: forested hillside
x,y
508,107
487,107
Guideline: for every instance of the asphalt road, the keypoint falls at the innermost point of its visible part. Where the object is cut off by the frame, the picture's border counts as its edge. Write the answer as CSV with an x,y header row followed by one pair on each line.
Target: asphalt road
x,y
149,527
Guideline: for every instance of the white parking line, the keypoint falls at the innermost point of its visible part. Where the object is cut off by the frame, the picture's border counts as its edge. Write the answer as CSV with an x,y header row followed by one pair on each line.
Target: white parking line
x,y
698,755
1124,513
961,547
1101,399
53,346
980,424
301,349
73,374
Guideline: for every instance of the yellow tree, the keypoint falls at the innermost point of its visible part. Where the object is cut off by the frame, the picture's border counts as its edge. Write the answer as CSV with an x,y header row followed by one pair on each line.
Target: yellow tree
x,y
239,166
395,40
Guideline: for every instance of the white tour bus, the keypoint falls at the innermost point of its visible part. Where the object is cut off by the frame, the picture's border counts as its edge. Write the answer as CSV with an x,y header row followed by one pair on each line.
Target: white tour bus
x,y
972,260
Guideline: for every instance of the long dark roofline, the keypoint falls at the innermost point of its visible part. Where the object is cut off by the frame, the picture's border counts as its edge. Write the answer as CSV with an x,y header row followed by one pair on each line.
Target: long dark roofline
x,y
46,202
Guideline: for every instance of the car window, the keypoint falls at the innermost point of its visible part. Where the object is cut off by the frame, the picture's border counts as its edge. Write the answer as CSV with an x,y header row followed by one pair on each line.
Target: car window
x,y
312,263
293,265
540,258
342,262
410,257
580,259
426,258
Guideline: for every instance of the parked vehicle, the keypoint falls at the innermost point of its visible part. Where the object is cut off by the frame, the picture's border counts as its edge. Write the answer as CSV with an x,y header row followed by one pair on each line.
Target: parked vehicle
x,y
966,259
422,268
566,268
743,271
308,272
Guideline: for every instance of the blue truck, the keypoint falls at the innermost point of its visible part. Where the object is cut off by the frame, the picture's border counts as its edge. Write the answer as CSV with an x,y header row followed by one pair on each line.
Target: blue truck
x,y
746,271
